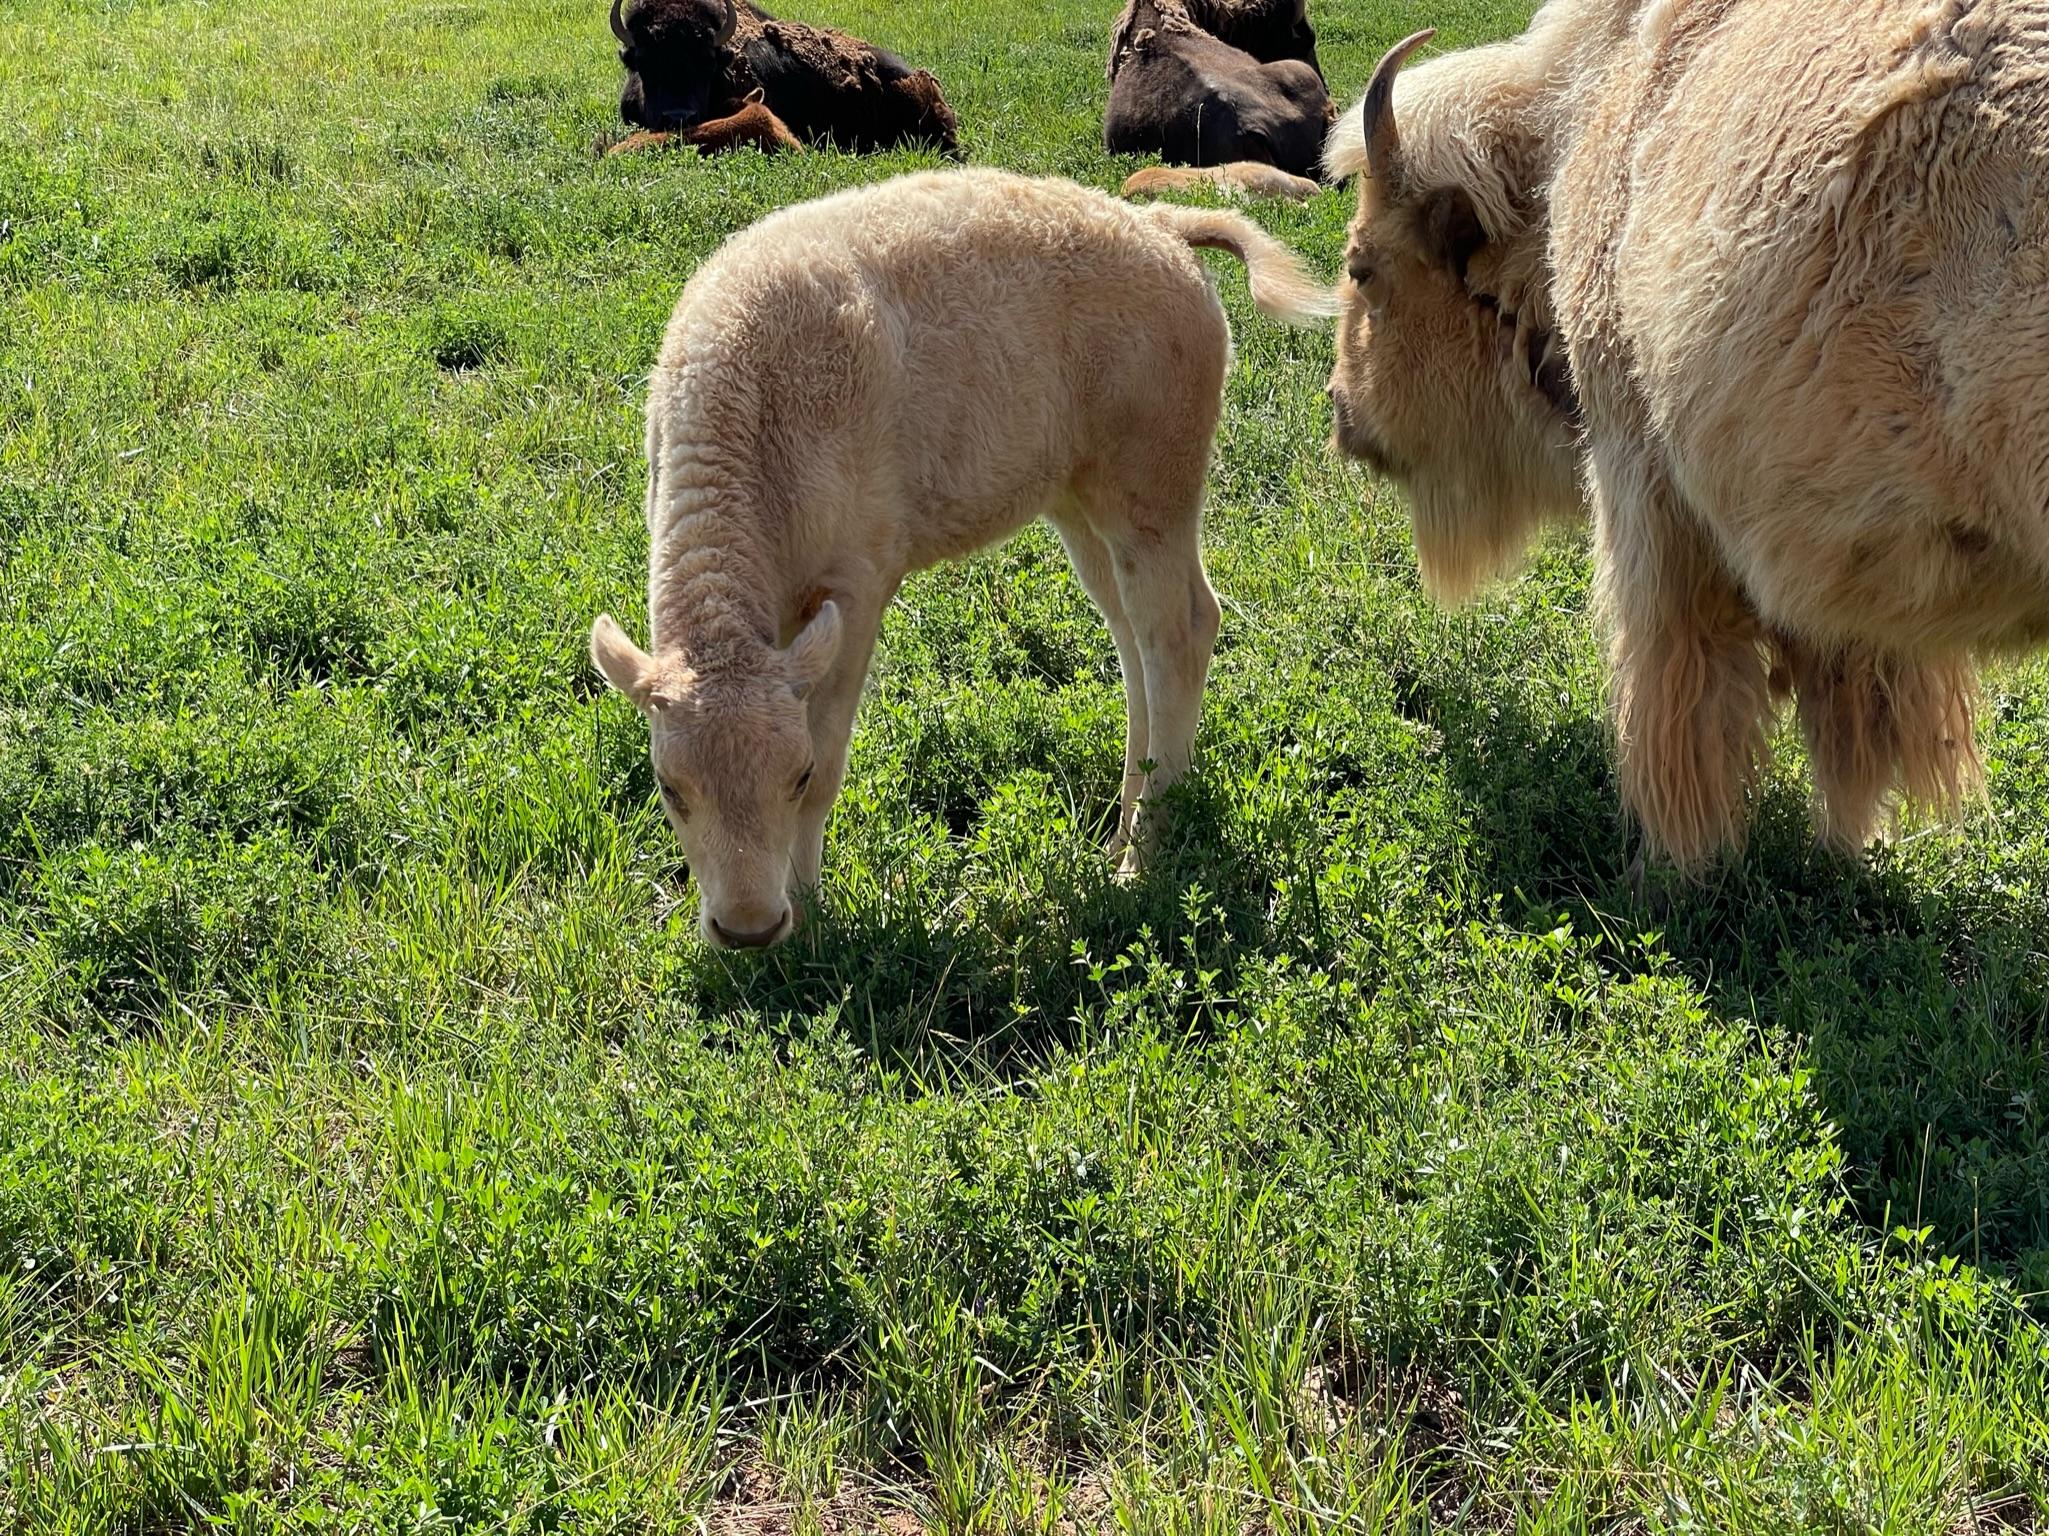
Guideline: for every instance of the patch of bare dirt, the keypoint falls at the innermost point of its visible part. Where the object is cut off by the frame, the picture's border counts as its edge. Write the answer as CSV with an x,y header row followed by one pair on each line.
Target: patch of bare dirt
x,y
755,1505
2017,1515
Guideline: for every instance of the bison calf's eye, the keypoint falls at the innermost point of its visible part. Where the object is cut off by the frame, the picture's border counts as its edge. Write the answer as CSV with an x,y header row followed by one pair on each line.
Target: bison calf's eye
x,y
674,801
803,783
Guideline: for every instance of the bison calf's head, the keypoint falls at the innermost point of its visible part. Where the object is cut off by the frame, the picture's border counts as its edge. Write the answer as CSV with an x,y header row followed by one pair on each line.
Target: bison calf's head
x,y
1449,378
738,769
676,57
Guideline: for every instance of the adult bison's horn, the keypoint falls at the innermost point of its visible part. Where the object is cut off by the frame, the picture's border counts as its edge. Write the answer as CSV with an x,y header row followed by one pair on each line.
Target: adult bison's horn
x,y
1383,138
619,21
726,27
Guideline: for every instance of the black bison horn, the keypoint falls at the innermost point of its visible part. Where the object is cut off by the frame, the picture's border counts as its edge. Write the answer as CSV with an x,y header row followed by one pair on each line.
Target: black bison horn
x,y
619,21
732,20
1383,138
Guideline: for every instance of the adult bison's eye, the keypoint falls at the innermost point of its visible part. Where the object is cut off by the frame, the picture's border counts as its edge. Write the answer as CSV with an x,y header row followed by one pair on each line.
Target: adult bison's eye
x,y
803,783
673,799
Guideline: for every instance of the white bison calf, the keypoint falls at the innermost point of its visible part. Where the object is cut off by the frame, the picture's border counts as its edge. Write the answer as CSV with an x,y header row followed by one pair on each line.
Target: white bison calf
x,y
859,387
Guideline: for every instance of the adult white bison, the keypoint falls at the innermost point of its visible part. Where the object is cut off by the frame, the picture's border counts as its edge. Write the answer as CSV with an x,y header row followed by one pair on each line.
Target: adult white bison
x,y
1766,282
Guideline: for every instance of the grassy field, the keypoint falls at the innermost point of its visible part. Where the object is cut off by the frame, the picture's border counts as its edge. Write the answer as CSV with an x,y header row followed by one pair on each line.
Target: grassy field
x,y
379,1150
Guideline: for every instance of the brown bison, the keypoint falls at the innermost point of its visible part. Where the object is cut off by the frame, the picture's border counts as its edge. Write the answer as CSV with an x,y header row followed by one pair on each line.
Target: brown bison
x,y
1179,92
695,63
1770,280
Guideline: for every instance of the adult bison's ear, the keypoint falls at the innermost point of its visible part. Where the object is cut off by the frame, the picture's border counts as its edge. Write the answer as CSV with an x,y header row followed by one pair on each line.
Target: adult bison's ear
x,y
1449,230
625,665
813,652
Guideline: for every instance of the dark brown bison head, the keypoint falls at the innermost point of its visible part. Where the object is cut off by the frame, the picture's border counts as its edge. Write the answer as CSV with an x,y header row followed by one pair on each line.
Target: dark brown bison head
x,y
677,59
934,121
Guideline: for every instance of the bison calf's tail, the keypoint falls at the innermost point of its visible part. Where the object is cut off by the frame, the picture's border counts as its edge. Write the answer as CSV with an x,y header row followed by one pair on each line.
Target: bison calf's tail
x,y
1282,287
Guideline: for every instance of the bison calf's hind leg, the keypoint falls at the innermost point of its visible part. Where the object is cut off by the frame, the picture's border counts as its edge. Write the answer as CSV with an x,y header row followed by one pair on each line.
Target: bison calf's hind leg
x,y
1877,724
1095,567
1174,618
753,126
1691,691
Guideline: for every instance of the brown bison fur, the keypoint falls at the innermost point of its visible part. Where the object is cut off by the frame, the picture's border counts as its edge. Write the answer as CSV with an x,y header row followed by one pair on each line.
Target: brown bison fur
x,y
1242,178
752,127
1179,92
1269,30
692,62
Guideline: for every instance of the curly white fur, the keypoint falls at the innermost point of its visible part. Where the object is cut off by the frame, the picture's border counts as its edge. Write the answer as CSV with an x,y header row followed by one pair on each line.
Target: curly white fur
x,y
1797,252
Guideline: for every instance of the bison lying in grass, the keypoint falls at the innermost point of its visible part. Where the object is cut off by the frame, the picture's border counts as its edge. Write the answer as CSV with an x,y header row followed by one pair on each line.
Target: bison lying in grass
x,y
1181,93
1241,178
1770,279
865,385
693,67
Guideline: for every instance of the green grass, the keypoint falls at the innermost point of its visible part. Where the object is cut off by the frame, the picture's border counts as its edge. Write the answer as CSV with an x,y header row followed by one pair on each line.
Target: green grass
x,y
380,1151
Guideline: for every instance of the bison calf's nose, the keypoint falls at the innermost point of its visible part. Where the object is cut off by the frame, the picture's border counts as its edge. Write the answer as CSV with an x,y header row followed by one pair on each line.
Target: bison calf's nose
x,y
761,938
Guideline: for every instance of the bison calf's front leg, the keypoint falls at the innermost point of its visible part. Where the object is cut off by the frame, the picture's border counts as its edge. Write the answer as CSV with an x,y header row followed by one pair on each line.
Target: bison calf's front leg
x,y
807,858
832,709
634,143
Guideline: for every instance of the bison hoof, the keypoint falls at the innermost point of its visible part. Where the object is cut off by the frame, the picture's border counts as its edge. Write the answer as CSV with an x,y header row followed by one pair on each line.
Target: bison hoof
x,y
1130,865
1636,878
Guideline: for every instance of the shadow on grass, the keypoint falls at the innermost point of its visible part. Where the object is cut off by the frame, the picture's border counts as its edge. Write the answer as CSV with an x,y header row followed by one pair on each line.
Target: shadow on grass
x,y
994,988
1916,985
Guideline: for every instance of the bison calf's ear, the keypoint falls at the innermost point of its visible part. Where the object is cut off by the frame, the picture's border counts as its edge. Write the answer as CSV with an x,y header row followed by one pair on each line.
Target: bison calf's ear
x,y
812,653
625,665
